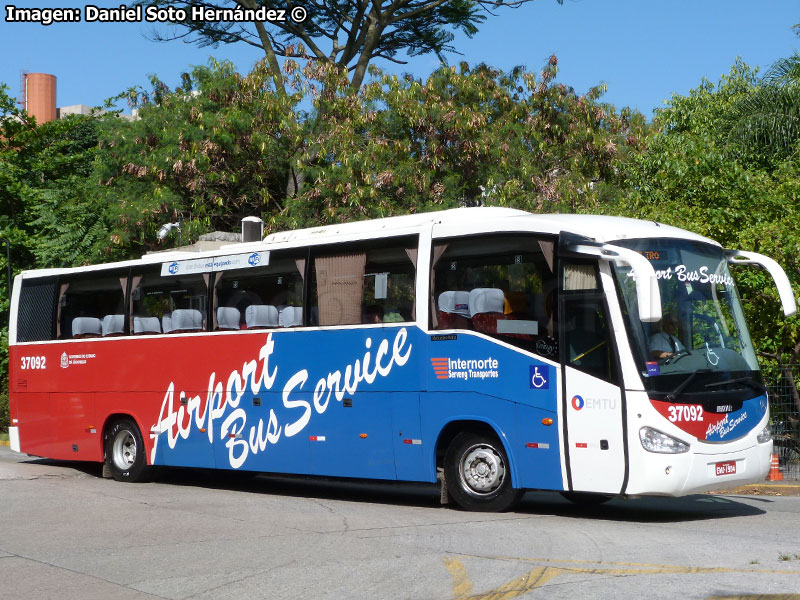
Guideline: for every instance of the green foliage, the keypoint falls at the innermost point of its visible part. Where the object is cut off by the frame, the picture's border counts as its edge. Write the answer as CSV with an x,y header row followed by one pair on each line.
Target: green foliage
x,y
763,128
217,148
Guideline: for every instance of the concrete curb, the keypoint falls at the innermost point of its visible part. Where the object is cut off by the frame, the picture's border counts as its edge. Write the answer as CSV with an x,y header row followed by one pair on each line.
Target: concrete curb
x,y
5,443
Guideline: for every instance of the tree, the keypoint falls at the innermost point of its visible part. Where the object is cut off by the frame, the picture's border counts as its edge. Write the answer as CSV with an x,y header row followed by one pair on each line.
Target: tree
x,y
346,33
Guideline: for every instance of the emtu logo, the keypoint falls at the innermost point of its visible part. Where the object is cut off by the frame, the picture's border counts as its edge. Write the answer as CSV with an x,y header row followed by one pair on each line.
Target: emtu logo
x,y
577,402
441,367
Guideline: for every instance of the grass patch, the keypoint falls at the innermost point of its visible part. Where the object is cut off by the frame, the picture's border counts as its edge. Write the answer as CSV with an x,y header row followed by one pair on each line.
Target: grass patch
x,y
3,437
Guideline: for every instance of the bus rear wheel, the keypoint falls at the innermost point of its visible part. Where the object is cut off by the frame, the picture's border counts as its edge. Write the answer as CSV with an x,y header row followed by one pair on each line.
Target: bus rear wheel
x,y
125,453
477,474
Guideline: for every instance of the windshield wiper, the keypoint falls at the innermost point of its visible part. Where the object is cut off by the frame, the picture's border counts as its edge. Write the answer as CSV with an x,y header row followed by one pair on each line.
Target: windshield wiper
x,y
748,381
673,395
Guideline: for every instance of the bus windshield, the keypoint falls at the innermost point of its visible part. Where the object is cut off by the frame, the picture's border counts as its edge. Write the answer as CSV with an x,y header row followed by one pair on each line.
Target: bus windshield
x,y
701,344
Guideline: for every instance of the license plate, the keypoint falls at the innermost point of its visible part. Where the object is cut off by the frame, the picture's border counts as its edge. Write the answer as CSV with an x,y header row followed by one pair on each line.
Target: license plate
x,y
725,468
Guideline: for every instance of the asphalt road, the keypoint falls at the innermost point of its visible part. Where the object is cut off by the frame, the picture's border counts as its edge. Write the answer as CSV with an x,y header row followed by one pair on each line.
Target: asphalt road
x,y
67,533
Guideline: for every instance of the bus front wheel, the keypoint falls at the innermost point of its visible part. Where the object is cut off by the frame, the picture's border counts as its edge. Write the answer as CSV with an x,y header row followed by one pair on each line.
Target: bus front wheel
x,y
477,474
125,453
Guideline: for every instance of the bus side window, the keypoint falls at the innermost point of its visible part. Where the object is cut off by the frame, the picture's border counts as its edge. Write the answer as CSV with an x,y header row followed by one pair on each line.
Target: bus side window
x,y
92,306
500,285
168,304
369,283
262,297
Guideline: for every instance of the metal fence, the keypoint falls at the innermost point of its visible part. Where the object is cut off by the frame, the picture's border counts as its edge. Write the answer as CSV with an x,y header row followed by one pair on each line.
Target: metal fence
x,y
785,418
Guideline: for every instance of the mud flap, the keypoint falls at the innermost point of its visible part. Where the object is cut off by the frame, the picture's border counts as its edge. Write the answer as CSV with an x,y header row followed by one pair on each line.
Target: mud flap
x,y
444,497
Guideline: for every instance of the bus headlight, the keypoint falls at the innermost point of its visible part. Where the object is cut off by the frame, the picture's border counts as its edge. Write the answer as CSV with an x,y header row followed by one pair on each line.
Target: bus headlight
x,y
655,441
765,435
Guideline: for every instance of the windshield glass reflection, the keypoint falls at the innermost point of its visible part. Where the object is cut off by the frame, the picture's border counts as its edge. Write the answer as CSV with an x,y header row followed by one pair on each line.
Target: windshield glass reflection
x,y
702,329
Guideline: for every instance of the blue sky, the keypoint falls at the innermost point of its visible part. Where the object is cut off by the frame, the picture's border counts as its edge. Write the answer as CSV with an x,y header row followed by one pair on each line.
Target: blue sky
x,y
644,50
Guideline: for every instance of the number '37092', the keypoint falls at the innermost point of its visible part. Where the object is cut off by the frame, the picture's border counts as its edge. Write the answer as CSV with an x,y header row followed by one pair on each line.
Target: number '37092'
x,y
685,413
33,362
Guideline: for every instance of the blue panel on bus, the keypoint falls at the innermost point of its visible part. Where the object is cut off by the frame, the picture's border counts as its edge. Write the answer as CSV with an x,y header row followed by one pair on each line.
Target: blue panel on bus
x,y
537,449
360,402
467,362
353,438
737,424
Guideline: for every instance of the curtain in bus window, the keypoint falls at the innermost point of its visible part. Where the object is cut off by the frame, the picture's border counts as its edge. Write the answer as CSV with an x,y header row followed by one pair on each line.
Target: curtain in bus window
x,y
579,277
548,250
438,251
135,281
412,255
61,301
340,288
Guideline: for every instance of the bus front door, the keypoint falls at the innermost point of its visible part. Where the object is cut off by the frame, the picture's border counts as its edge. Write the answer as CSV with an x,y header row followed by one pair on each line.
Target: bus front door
x,y
593,408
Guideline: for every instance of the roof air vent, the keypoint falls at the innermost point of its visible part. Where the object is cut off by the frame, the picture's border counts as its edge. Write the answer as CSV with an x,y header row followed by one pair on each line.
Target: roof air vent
x,y
252,229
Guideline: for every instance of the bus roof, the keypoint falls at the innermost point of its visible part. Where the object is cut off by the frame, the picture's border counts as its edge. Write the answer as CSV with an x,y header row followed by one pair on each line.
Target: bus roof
x,y
446,223
487,219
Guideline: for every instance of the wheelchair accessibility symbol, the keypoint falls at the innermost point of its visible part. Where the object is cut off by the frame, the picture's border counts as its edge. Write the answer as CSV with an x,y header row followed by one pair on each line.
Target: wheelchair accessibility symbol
x,y
539,377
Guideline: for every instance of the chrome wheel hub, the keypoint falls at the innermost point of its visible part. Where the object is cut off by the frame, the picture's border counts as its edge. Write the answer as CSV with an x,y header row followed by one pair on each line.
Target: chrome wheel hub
x,y
482,470
124,450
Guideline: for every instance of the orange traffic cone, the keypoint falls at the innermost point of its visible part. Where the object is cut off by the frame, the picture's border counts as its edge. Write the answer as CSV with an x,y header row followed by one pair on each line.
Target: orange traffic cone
x,y
774,471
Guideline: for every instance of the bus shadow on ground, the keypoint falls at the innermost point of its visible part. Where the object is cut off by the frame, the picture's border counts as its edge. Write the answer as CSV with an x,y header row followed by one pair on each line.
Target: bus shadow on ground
x,y
646,509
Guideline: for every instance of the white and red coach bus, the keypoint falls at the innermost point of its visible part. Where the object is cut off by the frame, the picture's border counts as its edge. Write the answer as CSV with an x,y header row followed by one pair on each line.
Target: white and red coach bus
x,y
489,348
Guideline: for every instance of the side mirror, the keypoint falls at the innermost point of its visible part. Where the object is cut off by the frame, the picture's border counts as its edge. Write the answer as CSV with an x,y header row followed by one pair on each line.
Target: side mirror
x,y
740,257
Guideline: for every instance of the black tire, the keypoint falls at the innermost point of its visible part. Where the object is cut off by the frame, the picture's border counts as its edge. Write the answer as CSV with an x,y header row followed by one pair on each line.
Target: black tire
x,y
125,452
586,498
477,473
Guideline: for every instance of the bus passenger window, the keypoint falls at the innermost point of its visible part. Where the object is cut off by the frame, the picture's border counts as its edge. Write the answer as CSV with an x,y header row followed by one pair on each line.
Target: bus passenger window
x,y
168,304
263,297
366,283
92,306
502,286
